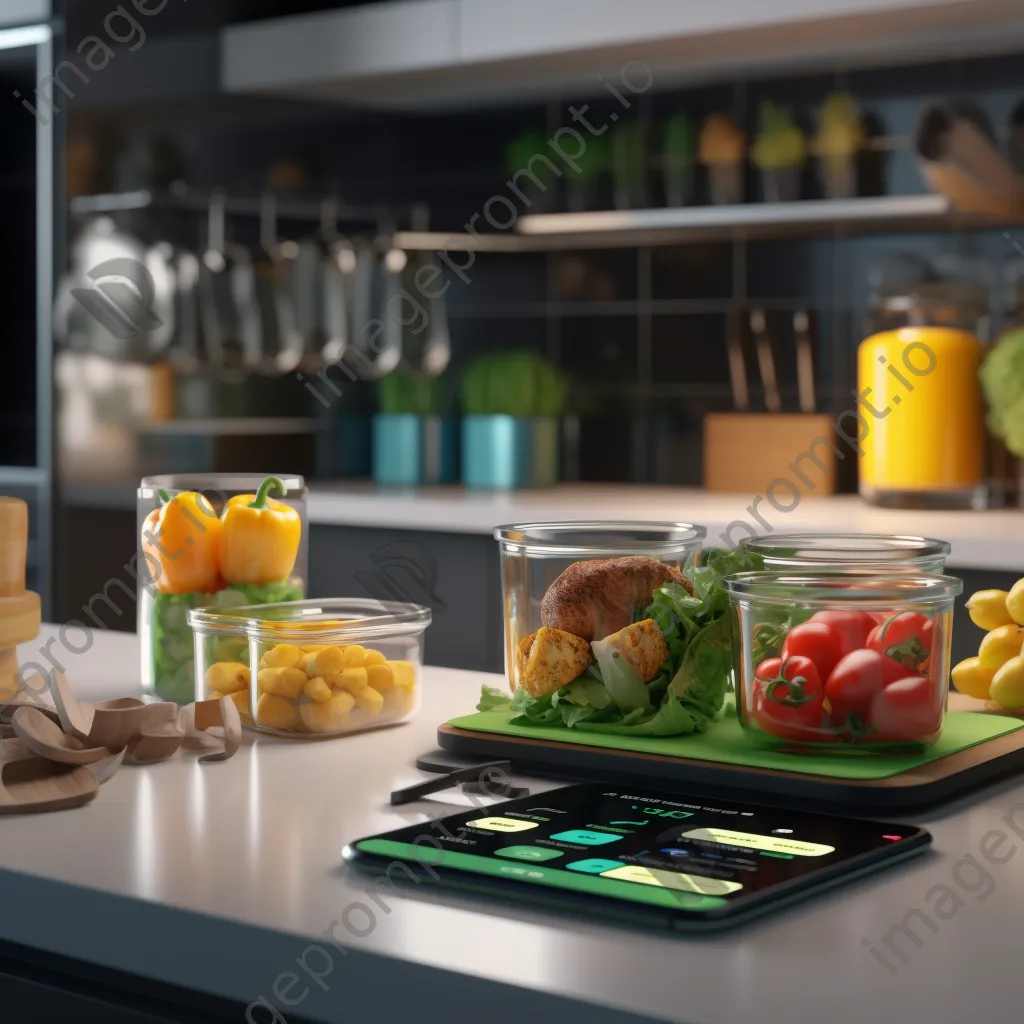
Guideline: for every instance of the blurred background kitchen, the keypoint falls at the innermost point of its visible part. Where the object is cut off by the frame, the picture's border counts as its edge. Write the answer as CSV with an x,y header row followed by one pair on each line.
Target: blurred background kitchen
x,y
462,262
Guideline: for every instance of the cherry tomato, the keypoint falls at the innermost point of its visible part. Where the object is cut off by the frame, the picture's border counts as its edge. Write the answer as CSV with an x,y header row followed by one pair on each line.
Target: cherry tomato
x,y
789,712
855,681
905,711
817,641
905,637
879,617
852,627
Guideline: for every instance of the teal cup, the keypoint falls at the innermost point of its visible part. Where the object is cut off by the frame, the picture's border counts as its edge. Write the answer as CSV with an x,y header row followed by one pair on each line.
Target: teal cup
x,y
410,450
503,452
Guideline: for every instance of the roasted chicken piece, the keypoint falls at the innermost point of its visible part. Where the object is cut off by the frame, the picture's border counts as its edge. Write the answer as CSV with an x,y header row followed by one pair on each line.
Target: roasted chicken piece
x,y
594,598
643,645
549,659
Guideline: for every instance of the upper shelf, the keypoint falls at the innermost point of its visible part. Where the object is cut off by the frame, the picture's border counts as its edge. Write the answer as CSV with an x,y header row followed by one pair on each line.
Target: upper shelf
x,y
606,229
674,225
420,54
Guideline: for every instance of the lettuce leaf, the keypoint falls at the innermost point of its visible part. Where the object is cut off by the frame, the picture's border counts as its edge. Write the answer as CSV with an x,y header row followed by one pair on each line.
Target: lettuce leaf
x,y
621,680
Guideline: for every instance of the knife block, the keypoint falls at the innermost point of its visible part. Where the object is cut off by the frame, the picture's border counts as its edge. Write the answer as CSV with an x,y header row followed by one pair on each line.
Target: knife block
x,y
19,608
746,451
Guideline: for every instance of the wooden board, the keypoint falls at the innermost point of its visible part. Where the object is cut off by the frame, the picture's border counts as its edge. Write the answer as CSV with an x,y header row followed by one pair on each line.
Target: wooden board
x,y
744,452
917,789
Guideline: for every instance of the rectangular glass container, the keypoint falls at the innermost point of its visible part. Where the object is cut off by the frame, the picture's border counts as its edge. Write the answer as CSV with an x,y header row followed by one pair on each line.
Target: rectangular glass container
x,y
311,668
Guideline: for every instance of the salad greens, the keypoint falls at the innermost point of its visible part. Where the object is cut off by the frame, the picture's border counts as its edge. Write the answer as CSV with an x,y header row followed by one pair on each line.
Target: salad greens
x,y
688,691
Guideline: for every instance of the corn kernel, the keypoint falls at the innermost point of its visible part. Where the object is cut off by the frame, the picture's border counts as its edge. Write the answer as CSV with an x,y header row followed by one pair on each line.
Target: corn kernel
x,y
318,690
351,679
286,682
380,677
355,656
374,658
274,712
405,673
327,661
228,676
331,716
312,649
283,656
370,701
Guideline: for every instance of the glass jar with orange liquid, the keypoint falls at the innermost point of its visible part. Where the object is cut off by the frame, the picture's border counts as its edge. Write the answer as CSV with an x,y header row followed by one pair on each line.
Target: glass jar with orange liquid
x,y
922,429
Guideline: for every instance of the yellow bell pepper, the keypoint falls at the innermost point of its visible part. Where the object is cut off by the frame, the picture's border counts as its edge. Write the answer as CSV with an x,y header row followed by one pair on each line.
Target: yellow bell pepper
x,y
181,545
259,537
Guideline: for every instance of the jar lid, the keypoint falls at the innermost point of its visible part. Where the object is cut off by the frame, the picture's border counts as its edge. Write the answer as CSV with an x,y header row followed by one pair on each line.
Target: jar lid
x,y
214,483
332,620
847,586
600,538
853,549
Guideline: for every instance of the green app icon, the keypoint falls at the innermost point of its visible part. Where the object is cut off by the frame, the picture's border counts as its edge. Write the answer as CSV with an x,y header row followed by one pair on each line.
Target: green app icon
x,y
534,853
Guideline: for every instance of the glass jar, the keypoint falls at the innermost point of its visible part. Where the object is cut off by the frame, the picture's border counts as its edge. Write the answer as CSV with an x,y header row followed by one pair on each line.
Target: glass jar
x,y
922,433
321,668
191,557
815,552
845,662
534,555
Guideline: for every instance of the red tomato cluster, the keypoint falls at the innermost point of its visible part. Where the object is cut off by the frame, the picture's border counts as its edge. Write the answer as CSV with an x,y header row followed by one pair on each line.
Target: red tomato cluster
x,y
851,676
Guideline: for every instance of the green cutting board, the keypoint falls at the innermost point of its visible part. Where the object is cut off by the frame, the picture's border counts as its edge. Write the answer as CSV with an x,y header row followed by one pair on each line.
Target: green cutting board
x,y
725,743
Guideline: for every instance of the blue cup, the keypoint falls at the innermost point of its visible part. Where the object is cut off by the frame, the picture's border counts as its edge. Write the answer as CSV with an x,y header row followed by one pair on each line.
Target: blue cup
x,y
410,450
501,452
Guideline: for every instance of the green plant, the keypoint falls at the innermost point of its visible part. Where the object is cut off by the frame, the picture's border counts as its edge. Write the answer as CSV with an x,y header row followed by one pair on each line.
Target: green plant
x,y
629,153
841,128
780,143
680,141
521,154
518,383
1002,379
404,393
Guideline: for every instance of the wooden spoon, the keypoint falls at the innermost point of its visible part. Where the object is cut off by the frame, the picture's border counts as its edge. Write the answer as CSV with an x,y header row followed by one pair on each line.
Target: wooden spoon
x,y
161,736
75,718
30,785
118,722
8,709
216,714
45,739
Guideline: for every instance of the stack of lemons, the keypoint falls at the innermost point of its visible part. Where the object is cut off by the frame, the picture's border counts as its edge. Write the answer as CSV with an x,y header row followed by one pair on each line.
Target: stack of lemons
x,y
997,673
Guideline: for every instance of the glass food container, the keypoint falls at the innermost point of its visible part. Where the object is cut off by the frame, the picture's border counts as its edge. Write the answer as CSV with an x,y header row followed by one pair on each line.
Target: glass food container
x,y
796,552
534,555
194,553
322,668
846,662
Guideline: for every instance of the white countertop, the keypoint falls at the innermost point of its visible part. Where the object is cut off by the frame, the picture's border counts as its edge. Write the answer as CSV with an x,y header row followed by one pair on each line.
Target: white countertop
x,y
219,877
981,540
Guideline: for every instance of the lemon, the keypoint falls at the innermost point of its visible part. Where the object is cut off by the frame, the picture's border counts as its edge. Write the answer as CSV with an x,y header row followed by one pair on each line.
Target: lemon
x,y
1000,645
987,609
973,678
1008,685
1015,602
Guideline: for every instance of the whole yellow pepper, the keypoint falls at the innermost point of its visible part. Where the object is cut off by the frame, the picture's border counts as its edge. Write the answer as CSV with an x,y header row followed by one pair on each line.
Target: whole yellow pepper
x,y
259,537
181,542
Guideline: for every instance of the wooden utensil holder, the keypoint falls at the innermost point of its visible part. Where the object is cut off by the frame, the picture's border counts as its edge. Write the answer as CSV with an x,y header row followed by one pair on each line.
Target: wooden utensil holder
x,y
746,452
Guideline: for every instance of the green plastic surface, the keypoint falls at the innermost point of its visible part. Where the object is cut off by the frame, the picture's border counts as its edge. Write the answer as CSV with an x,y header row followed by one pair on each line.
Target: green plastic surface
x,y
725,743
